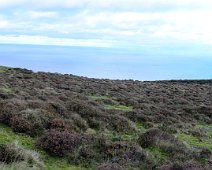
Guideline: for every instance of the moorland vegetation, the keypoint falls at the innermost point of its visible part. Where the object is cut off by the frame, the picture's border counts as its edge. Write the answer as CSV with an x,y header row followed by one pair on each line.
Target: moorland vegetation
x,y
62,121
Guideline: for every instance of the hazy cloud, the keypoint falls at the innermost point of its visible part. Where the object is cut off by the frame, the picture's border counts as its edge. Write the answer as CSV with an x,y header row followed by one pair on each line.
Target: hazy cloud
x,y
138,21
118,4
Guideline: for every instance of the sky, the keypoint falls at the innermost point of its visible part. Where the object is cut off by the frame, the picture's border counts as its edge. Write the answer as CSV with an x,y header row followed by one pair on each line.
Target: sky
x,y
107,23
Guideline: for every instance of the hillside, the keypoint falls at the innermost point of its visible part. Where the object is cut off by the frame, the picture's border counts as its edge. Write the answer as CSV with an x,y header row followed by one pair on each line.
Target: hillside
x,y
56,121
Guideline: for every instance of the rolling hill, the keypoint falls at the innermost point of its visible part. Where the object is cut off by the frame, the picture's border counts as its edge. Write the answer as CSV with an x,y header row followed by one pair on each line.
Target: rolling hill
x,y
62,121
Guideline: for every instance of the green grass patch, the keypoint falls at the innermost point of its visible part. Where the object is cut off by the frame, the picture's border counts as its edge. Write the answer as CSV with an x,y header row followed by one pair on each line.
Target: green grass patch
x,y
55,163
8,136
115,136
140,127
98,97
121,136
157,154
195,142
115,106
119,107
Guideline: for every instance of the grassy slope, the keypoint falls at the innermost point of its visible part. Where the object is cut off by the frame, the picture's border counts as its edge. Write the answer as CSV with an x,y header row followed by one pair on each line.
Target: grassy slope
x,y
51,163
7,135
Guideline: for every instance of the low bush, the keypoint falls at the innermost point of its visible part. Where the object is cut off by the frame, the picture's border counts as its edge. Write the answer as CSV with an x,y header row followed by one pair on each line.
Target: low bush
x,y
82,108
121,124
31,122
167,142
103,150
59,143
57,123
79,122
18,124
205,154
14,152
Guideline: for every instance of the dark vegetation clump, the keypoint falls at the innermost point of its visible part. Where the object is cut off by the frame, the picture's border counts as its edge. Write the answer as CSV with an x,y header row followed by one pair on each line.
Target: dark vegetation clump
x,y
110,124
102,150
156,137
57,123
59,143
14,152
167,143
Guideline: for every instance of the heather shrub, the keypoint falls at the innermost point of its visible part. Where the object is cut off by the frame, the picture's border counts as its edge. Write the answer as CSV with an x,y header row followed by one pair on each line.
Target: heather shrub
x,y
153,136
9,108
79,122
122,152
158,138
14,152
83,108
59,143
18,124
205,154
59,108
95,124
57,123
103,150
31,122
150,138
113,122
71,127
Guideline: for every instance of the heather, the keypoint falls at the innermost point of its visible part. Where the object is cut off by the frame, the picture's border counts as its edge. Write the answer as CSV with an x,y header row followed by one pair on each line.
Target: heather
x,y
102,124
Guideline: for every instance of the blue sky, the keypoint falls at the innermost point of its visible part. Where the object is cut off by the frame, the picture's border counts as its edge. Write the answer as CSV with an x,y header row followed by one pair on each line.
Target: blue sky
x,y
107,23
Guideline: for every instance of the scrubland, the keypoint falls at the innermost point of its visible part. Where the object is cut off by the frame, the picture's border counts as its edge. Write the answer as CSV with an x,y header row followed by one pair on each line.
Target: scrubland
x,y
55,121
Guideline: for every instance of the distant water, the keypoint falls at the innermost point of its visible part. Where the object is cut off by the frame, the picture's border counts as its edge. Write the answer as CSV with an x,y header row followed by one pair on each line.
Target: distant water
x,y
137,64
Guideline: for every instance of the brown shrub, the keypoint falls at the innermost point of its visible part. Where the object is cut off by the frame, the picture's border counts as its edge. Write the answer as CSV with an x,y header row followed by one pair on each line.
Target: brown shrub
x,y
8,154
102,150
31,122
83,108
18,124
167,142
79,122
60,142
57,123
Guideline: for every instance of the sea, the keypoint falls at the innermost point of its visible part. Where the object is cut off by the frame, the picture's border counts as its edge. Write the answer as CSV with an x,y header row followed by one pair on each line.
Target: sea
x,y
145,64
